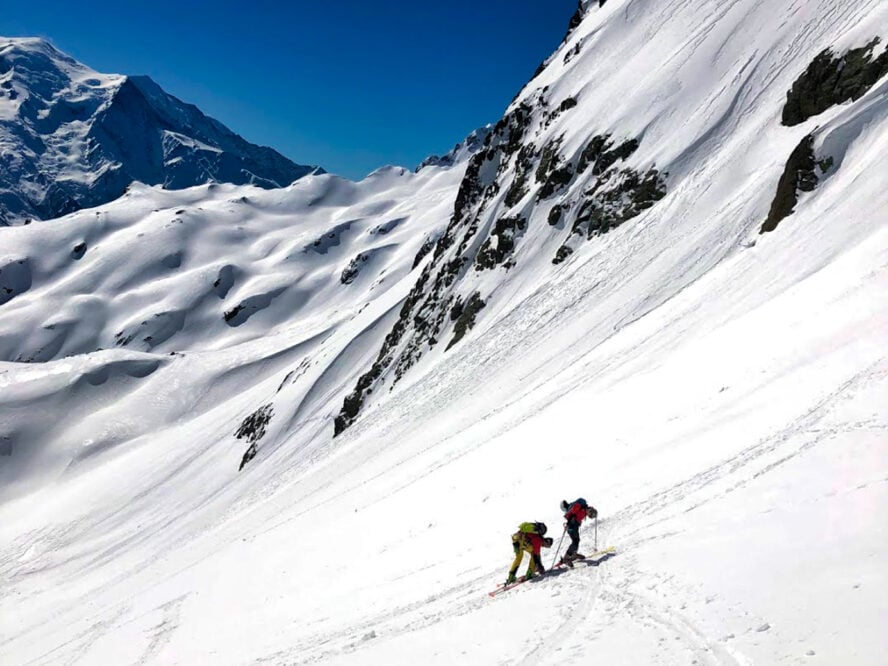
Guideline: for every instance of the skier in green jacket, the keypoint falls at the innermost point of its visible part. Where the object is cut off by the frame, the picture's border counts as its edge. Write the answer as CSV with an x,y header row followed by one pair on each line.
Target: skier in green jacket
x,y
528,539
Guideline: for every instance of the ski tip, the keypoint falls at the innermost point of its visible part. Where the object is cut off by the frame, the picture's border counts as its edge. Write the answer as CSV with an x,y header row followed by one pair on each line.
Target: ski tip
x,y
610,550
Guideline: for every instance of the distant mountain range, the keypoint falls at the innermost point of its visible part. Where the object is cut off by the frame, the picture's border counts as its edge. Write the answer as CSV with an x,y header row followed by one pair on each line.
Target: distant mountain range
x,y
72,138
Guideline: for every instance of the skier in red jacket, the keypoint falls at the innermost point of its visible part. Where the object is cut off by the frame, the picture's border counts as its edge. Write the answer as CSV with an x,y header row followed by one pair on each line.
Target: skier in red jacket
x,y
529,538
574,513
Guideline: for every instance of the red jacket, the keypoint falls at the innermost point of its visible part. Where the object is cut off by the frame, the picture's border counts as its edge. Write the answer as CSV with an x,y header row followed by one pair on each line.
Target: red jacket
x,y
575,512
535,541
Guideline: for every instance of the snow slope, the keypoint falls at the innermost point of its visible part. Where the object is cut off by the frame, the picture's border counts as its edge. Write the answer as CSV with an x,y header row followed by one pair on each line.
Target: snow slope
x,y
718,394
234,283
71,137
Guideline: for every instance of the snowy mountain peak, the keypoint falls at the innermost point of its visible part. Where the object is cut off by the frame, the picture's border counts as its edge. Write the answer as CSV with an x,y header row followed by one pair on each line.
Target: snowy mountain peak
x,y
34,75
20,50
73,138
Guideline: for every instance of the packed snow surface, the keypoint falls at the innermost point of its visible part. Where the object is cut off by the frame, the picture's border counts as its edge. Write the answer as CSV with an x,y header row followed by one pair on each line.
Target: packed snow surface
x,y
719,395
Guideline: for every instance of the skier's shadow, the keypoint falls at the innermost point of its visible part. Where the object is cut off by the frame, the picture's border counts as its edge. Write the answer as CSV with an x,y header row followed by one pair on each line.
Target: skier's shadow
x,y
551,573
598,560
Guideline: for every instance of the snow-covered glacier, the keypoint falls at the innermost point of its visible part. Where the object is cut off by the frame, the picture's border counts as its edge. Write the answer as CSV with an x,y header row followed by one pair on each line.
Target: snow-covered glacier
x,y
73,138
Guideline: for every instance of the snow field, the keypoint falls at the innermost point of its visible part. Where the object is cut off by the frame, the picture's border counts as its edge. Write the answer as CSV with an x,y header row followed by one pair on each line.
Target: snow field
x,y
718,395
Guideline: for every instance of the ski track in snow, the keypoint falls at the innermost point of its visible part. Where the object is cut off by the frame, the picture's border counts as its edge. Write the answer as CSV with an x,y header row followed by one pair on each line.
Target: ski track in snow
x,y
592,591
606,594
777,449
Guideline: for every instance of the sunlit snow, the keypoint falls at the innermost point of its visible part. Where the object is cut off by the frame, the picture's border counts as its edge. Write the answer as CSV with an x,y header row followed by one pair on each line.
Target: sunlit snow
x,y
719,395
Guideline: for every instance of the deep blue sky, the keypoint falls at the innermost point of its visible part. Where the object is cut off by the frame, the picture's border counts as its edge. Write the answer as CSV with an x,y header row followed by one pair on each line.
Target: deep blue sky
x,y
350,85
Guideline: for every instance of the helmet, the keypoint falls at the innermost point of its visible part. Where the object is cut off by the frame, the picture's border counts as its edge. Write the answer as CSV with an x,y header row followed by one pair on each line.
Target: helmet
x,y
564,505
548,541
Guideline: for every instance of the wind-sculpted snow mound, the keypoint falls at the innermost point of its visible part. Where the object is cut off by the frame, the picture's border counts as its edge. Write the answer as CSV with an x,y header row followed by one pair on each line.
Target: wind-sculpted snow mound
x,y
209,267
53,417
234,283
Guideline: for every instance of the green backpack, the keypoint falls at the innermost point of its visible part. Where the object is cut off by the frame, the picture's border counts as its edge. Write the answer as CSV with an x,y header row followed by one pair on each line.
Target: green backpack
x,y
533,528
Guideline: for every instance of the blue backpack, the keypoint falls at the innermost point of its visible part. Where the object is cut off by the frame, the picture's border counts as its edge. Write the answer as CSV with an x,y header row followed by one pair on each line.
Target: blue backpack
x,y
565,505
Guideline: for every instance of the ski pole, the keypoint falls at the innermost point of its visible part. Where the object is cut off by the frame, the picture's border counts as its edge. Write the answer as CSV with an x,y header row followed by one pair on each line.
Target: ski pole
x,y
557,550
596,532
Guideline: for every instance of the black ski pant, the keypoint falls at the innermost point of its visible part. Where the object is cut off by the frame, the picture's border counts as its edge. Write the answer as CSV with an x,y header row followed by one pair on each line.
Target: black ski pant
x,y
573,531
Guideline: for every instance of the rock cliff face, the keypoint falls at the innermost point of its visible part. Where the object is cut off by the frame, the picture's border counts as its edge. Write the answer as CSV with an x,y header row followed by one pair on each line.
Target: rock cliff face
x,y
72,138
522,182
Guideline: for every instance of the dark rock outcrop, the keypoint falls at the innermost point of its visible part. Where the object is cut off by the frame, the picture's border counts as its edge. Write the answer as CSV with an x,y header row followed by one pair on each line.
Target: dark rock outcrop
x,y
501,243
425,313
831,80
616,196
466,319
353,269
799,175
253,429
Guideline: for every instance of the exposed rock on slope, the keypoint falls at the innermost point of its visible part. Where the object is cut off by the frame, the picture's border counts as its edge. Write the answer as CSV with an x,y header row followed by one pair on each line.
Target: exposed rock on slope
x,y
831,80
802,174
510,190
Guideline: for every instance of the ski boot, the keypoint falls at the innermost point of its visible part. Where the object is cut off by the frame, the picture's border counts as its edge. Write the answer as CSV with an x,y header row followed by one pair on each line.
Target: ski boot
x,y
511,579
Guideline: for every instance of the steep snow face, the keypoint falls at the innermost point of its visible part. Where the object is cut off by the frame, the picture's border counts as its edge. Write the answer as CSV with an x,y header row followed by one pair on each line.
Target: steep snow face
x,y
597,315
72,138
655,123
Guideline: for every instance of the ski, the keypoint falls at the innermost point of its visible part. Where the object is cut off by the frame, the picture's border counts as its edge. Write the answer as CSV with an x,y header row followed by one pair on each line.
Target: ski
x,y
522,579
509,586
